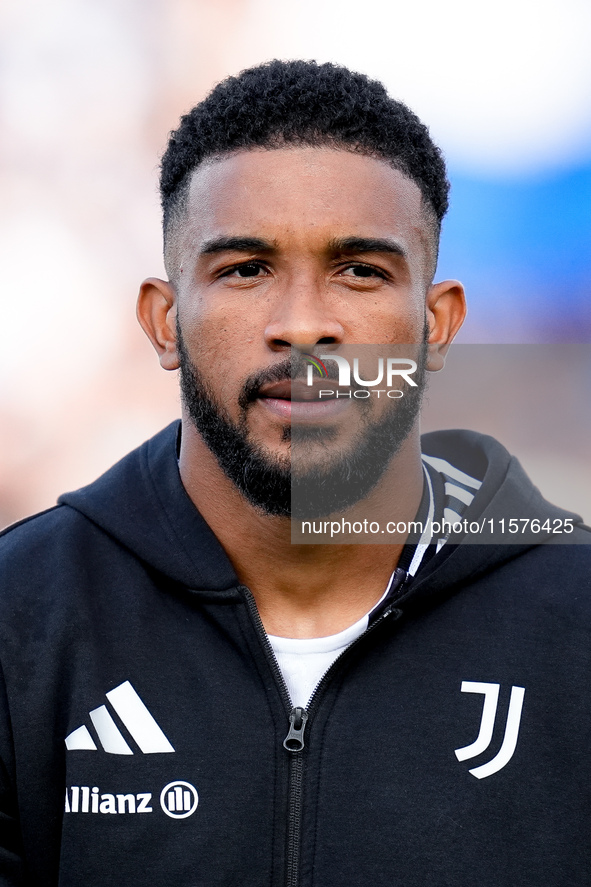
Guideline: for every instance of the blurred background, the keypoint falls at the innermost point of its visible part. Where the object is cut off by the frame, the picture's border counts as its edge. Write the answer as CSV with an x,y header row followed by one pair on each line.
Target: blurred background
x,y
89,90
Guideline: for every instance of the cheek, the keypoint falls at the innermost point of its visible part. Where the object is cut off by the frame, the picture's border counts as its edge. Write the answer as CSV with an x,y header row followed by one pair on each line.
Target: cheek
x,y
222,321
397,321
220,344
211,334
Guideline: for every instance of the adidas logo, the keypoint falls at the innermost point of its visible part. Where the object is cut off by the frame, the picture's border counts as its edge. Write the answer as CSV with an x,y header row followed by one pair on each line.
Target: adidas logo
x,y
134,716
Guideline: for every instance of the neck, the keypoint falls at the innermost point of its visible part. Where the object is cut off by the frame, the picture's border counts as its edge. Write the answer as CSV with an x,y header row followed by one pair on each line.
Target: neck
x,y
302,590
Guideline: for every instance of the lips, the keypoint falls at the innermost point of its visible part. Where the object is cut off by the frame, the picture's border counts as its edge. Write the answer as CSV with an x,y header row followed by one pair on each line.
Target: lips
x,y
293,391
293,401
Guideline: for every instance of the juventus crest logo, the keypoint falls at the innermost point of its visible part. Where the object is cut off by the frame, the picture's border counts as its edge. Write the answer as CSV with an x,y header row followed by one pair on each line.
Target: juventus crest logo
x,y
484,738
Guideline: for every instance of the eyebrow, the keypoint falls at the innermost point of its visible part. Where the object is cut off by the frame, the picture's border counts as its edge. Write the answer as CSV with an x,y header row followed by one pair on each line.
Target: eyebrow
x,y
352,245
339,246
235,244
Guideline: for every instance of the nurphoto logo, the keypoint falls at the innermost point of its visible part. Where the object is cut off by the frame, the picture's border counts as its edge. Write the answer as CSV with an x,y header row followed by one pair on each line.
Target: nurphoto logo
x,y
386,371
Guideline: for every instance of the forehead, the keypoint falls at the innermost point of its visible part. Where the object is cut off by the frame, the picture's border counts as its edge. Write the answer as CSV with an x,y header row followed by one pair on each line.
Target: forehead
x,y
305,196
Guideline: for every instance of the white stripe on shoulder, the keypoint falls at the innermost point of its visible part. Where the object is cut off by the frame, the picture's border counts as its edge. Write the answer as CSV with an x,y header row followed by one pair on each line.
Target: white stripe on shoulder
x,y
451,516
452,472
459,493
427,533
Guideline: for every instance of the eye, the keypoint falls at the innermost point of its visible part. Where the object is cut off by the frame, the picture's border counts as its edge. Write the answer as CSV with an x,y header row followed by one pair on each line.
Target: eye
x,y
363,271
248,269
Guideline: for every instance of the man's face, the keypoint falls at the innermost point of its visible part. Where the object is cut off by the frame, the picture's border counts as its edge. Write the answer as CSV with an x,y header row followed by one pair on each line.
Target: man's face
x,y
294,247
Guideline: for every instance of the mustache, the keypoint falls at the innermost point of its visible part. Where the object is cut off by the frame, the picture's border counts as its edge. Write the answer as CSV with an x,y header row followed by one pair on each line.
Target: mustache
x,y
280,372
294,367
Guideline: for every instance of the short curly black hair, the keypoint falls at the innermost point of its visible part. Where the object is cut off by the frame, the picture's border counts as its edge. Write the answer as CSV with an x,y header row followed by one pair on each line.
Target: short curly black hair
x,y
306,103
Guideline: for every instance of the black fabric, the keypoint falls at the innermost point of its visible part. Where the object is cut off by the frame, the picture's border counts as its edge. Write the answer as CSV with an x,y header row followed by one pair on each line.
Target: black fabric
x,y
124,582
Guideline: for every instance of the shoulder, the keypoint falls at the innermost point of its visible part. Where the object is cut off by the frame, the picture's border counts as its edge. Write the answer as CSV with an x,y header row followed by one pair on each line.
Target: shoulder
x,y
547,584
569,557
35,532
43,556
40,531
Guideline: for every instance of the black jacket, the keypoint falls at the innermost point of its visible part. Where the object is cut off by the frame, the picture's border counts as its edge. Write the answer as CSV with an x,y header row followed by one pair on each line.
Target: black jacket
x,y
120,609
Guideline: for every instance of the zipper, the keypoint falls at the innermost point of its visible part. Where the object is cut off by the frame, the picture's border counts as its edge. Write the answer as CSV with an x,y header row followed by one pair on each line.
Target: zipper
x,y
294,744
254,612
294,741
326,677
298,717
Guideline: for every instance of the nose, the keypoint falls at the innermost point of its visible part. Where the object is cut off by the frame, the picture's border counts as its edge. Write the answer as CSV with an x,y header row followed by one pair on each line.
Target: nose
x,y
303,315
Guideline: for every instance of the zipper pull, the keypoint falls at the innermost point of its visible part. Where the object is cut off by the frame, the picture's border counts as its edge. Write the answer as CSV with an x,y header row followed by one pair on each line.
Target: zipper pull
x,y
294,741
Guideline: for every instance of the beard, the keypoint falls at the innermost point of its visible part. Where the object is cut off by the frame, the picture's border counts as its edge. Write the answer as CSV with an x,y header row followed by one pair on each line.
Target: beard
x,y
278,485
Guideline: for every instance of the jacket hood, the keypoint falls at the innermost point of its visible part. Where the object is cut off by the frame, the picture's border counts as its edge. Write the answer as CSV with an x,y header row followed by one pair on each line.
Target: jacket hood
x,y
506,492
142,503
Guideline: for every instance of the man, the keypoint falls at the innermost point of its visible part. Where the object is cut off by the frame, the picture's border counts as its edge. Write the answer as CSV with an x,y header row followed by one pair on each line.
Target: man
x,y
191,699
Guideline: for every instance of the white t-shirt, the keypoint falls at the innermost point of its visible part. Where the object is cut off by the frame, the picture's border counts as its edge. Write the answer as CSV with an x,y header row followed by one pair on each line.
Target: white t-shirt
x,y
303,661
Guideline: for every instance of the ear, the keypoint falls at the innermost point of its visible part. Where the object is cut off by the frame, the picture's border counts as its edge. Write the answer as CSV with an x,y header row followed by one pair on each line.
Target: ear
x,y
446,310
156,312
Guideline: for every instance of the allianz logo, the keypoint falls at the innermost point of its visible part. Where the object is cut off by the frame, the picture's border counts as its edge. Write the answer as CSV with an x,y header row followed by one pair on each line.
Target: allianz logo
x,y
178,800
